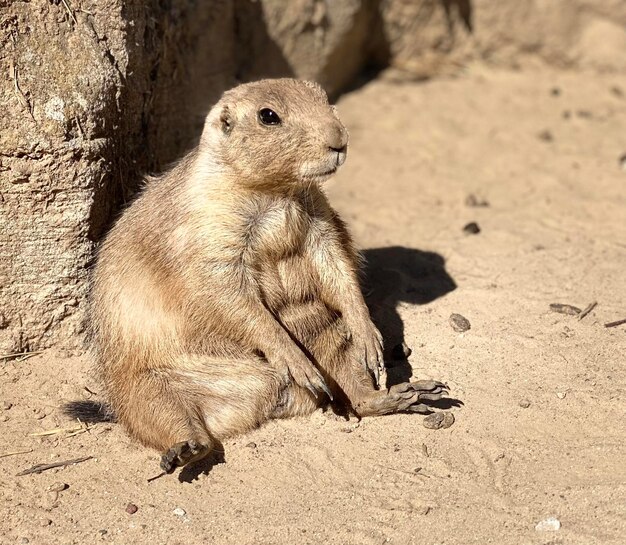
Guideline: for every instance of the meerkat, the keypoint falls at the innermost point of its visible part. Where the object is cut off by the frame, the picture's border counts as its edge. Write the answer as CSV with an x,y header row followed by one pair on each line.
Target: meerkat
x,y
228,292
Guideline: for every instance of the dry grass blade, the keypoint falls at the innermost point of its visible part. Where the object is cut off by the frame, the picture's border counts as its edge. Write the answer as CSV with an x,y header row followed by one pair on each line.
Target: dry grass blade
x,y
21,356
71,431
70,11
15,453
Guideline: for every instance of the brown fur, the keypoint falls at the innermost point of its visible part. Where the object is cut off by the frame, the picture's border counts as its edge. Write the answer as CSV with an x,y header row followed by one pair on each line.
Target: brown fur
x,y
227,293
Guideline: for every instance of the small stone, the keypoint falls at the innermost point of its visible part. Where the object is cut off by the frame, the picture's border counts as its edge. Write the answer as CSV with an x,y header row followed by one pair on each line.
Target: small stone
x,y
424,510
524,403
551,524
401,351
417,469
474,202
438,421
179,512
561,395
499,457
45,522
252,445
585,114
131,508
25,540
546,136
471,228
425,450
4,418
564,309
103,532
622,161
555,91
58,487
459,323
6,405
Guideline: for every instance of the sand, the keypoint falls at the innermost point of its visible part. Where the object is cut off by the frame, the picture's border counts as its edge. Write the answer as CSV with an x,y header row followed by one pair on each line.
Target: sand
x,y
541,430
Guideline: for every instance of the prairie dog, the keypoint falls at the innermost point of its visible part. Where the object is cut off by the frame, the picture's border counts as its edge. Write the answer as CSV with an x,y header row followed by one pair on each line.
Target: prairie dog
x,y
227,293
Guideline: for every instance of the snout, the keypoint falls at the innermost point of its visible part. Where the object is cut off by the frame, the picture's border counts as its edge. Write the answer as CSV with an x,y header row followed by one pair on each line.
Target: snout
x,y
339,144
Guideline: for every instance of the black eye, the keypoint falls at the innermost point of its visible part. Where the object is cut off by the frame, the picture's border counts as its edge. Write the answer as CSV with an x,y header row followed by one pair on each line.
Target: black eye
x,y
268,117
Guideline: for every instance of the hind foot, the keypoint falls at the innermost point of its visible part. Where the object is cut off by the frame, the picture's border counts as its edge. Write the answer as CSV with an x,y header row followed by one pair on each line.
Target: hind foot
x,y
183,453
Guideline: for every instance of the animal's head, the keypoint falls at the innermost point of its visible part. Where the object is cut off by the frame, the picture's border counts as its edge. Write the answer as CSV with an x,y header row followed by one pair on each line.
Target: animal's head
x,y
276,131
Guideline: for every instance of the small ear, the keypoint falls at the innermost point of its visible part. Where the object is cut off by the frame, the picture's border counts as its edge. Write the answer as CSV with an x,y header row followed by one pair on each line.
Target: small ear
x,y
227,120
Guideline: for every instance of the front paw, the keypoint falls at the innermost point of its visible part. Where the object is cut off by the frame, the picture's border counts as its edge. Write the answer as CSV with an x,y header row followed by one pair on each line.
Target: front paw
x,y
368,344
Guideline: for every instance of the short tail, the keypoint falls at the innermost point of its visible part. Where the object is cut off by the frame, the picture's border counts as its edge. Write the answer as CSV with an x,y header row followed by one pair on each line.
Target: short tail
x,y
91,412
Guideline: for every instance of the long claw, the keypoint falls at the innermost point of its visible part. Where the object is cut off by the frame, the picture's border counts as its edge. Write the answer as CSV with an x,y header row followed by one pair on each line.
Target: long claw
x,y
326,390
312,389
430,397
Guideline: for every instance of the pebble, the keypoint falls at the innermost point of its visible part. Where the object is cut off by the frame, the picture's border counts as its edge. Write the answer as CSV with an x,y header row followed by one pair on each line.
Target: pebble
x,y
551,524
524,403
471,228
252,445
4,418
459,323
622,161
58,487
436,421
25,540
103,532
6,405
45,522
564,309
401,351
561,395
179,512
131,508
474,202
546,136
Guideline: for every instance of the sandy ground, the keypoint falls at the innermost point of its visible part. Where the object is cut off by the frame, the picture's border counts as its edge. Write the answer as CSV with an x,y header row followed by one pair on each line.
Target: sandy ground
x,y
542,149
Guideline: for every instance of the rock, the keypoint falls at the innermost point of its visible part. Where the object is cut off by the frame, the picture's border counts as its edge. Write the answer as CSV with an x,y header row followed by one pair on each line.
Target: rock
x,y
45,522
524,403
131,508
564,309
459,323
474,202
561,395
251,445
436,421
103,532
4,418
6,405
550,524
555,91
58,487
471,228
546,136
179,512
401,351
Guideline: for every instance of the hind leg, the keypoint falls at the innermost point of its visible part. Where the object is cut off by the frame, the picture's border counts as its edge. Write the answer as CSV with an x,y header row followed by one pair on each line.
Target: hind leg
x,y
183,410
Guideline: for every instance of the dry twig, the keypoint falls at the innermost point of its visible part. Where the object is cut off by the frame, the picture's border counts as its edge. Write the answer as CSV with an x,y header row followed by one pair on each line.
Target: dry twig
x,y
616,323
587,310
39,468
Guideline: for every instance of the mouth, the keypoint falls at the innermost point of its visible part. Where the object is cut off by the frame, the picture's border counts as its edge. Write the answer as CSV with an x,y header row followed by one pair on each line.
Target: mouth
x,y
321,175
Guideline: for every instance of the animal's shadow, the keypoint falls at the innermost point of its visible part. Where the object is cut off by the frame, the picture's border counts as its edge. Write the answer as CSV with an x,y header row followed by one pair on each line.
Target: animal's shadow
x,y
397,274
192,472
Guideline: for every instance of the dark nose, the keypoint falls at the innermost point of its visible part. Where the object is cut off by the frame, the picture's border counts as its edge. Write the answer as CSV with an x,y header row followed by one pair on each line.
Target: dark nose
x,y
341,149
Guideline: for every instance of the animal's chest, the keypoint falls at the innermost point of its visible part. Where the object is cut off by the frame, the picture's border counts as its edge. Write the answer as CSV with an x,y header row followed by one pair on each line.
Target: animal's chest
x,y
284,266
